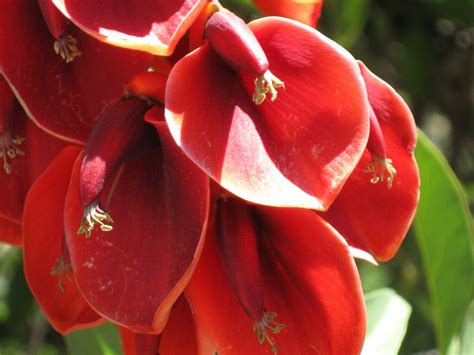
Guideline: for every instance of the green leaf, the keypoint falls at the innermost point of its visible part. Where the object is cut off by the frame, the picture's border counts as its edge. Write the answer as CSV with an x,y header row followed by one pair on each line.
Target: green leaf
x,y
101,340
443,230
387,320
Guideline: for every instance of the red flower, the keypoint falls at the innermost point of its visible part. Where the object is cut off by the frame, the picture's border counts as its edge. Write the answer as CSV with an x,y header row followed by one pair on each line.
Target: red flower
x,y
295,151
307,11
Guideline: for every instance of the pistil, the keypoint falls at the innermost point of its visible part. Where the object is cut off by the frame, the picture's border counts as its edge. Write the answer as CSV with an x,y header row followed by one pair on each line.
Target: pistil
x,y
62,270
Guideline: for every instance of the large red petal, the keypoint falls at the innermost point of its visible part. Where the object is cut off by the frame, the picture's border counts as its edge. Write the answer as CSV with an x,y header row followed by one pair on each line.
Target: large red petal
x,y
296,151
62,98
307,12
133,274
310,280
372,217
152,26
43,231
39,150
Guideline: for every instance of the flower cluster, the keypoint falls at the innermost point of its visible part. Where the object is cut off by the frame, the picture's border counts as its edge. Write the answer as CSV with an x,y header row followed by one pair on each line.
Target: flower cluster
x,y
203,183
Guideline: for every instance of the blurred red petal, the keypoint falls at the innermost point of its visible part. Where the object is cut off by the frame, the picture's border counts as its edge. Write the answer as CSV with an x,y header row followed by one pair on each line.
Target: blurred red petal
x,y
374,217
152,26
307,12
39,150
43,231
296,151
310,280
134,273
10,232
63,98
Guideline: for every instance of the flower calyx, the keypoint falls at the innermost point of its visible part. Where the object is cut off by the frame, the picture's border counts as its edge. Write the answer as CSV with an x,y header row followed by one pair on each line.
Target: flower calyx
x,y
233,40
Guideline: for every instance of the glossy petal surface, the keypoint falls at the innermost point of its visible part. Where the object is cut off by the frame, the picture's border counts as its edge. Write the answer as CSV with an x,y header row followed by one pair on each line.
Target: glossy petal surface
x,y
43,231
306,11
67,100
152,26
295,151
133,274
310,281
372,216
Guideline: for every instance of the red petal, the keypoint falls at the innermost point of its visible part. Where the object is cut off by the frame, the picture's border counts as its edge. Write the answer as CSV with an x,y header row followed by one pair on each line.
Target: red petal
x,y
133,274
10,232
178,338
296,151
62,98
374,217
152,26
311,282
39,150
43,232
307,12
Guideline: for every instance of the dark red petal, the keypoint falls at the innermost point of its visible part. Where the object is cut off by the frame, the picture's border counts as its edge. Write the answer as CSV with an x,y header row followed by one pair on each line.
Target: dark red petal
x,y
54,19
134,273
10,232
296,151
43,231
390,109
373,217
152,26
62,98
307,12
39,150
178,338
310,280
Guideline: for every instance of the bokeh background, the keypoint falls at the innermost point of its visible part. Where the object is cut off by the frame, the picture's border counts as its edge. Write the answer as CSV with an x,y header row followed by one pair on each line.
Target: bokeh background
x,y
423,48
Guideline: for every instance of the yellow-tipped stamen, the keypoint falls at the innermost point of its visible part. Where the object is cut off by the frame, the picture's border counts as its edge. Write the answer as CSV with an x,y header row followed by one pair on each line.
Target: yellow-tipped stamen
x,y
62,269
267,323
382,170
9,149
266,83
94,214
66,48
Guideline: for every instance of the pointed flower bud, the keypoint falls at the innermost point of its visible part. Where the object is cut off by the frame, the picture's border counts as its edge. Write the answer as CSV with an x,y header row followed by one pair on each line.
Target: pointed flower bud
x,y
236,230
119,132
233,40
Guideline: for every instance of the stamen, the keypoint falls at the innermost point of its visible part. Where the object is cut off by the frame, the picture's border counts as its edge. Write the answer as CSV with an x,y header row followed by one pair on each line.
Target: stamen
x,y
267,323
266,83
62,269
66,47
381,169
9,149
94,214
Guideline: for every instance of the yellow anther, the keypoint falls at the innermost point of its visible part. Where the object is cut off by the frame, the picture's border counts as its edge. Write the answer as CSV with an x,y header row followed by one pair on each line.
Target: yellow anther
x,y
266,324
66,48
62,269
94,214
266,83
382,170
9,149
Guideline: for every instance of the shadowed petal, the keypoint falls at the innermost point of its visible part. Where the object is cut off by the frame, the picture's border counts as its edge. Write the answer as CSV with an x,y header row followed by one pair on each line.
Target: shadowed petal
x,y
374,217
43,231
62,98
134,273
310,280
